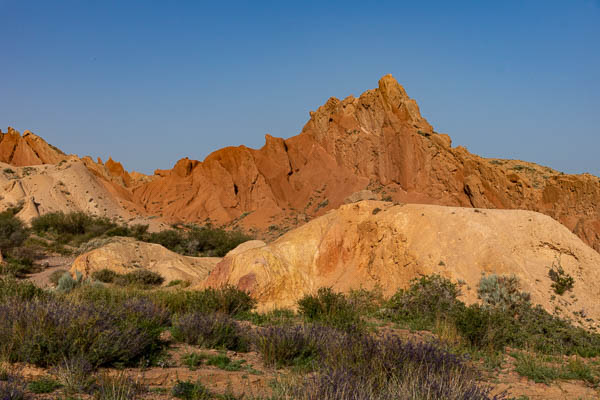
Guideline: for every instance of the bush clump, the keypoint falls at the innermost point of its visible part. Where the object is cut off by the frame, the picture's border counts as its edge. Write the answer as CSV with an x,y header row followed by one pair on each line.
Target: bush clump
x,y
140,277
105,275
12,232
47,331
503,292
43,385
190,391
74,223
330,308
226,300
351,366
22,290
561,281
206,241
506,317
66,283
215,331
17,267
12,387
289,345
427,299
76,228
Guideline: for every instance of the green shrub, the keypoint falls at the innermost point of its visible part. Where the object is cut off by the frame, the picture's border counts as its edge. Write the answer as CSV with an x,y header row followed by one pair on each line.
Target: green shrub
x,y
66,283
21,290
531,367
223,362
279,316
12,232
209,241
105,275
561,281
289,345
17,267
483,328
117,387
206,241
74,223
503,292
193,360
56,275
43,385
427,298
330,308
227,300
213,331
141,277
190,391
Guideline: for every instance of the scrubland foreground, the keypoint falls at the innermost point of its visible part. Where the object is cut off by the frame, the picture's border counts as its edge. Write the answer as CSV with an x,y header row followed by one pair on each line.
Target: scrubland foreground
x,y
131,335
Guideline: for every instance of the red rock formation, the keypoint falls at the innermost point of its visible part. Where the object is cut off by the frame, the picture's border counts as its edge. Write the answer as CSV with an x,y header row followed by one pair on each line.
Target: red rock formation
x,y
377,141
28,149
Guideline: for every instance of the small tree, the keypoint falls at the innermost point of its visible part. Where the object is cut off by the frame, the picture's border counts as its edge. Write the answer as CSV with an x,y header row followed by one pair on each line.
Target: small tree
x,y
12,231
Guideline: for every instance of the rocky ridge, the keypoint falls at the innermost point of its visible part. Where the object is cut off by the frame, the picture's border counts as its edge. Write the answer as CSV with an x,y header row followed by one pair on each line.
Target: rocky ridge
x,y
378,142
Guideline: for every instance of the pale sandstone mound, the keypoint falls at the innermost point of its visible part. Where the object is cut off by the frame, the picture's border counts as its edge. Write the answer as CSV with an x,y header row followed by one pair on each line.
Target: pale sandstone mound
x,y
124,255
378,141
66,186
374,243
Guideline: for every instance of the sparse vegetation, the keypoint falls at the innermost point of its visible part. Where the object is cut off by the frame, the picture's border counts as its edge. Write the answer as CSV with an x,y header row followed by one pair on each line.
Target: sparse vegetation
x,y
502,292
213,331
330,308
12,232
561,281
43,385
78,228
104,275
191,391
12,387
140,277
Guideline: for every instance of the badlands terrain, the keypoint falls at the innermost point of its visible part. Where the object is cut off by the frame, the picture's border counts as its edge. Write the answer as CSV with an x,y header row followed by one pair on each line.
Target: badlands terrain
x,y
365,227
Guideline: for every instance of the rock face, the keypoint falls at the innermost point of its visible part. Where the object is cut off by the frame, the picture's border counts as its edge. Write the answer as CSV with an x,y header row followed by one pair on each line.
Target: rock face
x,y
124,255
374,243
28,149
66,186
378,141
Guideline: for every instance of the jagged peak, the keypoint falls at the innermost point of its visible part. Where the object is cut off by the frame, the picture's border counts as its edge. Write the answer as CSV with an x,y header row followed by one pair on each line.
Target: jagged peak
x,y
387,104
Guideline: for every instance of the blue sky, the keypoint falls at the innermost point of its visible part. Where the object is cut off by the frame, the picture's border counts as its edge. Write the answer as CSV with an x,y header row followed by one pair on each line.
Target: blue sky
x,y
150,82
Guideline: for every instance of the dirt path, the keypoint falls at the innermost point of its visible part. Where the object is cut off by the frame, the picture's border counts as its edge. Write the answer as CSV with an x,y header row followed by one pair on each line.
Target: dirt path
x,y
51,264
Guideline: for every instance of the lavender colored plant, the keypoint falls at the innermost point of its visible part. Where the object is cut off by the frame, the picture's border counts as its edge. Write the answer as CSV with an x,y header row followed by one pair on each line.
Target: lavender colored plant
x,y
214,330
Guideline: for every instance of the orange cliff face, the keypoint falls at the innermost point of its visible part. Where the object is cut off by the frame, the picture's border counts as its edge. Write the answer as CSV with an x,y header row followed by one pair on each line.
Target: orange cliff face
x,y
378,141
28,149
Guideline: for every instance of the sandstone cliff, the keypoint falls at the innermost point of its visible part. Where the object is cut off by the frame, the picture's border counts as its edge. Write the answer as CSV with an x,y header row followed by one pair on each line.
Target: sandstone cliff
x,y
378,141
374,243
28,149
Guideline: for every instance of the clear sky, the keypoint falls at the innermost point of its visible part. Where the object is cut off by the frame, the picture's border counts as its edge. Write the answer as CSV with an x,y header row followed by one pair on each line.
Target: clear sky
x,y
149,82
